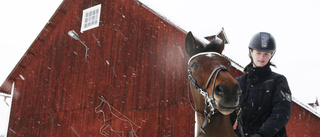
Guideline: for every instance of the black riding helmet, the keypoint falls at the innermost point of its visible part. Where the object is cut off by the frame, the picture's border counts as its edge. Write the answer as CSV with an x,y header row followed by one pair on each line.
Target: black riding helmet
x,y
263,41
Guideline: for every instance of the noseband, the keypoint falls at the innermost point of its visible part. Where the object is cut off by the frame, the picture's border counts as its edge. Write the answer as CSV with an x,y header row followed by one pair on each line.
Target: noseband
x,y
209,100
204,92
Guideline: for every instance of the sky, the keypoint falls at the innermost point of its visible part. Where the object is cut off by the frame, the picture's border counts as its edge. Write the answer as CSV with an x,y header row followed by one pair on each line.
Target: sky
x,y
295,25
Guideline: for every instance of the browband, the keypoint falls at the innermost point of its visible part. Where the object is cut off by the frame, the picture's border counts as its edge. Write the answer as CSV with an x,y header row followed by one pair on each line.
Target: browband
x,y
202,53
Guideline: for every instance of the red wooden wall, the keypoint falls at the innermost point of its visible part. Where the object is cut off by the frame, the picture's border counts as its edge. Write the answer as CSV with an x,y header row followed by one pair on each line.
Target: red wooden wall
x,y
136,68
134,80
302,123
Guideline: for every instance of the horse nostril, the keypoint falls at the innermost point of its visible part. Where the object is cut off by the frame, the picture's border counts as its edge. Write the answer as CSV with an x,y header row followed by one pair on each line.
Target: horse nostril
x,y
219,90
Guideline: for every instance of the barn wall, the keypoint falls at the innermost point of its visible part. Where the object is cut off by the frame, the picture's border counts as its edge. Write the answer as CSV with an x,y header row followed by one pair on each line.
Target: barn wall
x,y
134,79
303,123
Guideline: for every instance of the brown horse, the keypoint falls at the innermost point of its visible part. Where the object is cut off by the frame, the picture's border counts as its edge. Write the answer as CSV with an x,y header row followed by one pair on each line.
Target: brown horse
x,y
215,92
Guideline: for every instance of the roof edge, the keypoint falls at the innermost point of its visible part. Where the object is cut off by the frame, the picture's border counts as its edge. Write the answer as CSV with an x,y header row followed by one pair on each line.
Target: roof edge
x,y
306,107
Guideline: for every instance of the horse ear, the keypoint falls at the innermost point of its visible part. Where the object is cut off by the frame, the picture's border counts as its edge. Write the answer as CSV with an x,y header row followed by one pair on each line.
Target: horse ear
x,y
192,45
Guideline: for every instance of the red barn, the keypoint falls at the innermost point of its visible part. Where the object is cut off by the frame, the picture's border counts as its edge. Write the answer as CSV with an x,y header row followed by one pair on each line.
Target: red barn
x,y
132,81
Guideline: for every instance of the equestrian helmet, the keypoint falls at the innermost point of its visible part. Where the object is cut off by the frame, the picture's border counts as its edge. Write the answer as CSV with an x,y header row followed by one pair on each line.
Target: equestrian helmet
x,y
263,41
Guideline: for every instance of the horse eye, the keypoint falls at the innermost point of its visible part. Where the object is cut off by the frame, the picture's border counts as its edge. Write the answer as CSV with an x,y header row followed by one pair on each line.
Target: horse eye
x,y
194,65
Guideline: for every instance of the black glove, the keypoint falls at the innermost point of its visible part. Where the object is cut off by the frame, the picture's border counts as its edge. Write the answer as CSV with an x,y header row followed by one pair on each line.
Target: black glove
x,y
256,135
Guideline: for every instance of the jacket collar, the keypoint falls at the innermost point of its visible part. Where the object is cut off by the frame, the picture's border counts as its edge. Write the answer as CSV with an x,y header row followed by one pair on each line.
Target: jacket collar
x,y
258,73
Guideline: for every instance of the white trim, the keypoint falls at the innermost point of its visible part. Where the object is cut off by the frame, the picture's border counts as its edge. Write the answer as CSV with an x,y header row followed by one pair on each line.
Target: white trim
x,y
195,124
4,95
7,120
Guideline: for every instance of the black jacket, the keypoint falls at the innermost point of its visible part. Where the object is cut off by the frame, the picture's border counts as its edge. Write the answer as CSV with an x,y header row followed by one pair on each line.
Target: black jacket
x,y
265,103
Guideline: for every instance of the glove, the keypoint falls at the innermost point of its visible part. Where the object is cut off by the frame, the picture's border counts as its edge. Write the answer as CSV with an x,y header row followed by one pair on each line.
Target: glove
x,y
256,135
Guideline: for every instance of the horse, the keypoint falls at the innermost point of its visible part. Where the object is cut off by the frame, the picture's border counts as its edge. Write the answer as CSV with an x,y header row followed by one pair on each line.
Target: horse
x,y
115,124
214,91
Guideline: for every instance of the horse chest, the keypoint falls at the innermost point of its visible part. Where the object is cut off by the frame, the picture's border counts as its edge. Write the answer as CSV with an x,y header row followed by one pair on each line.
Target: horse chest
x,y
219,126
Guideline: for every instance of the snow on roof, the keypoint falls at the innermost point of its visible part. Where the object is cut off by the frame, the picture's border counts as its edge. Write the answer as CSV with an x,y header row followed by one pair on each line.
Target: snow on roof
x,y
307,107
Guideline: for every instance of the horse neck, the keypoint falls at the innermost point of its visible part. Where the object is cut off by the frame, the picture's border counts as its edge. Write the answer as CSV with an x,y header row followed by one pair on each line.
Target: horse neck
x,y
219,126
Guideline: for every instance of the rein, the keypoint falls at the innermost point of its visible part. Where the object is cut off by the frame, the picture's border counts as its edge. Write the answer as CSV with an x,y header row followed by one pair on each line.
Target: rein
x,y
209,100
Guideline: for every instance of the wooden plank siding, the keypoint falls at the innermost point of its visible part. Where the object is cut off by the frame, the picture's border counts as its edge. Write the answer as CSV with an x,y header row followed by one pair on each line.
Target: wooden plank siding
x,y
136,62
302,122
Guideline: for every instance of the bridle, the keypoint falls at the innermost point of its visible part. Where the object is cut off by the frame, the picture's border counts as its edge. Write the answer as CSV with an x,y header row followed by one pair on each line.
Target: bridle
x,y
209,100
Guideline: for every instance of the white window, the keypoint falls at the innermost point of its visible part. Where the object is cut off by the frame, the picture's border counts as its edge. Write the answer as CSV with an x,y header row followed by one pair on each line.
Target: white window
x,y
90,18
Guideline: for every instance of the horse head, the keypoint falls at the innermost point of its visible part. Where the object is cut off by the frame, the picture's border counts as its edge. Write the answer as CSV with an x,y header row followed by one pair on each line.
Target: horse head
x,y
208,71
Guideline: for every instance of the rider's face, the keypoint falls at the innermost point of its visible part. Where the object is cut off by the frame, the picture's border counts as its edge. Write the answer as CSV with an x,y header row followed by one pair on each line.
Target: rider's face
x,y
260,58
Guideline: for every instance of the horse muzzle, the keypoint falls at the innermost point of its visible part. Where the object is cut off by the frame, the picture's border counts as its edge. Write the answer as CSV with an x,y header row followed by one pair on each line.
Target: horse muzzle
x,y
227,100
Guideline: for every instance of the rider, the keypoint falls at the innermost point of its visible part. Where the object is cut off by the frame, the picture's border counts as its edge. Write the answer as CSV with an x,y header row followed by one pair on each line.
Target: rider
x,y
265,103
